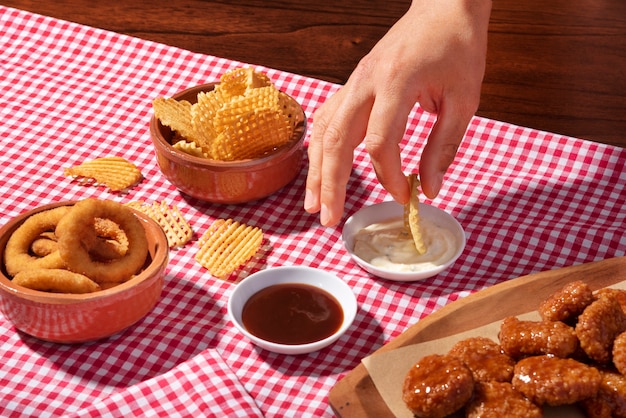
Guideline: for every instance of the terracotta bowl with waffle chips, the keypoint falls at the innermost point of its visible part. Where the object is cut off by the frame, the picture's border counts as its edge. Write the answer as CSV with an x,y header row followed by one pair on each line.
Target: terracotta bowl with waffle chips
x,y
235,181
76,318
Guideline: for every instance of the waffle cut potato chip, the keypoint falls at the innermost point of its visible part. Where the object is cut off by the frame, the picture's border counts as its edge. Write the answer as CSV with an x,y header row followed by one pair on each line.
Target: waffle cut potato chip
x,y
202,115
244,117
116,173
411,214
176,228
227,245
190,148
253,134
174,113
255,99
236,82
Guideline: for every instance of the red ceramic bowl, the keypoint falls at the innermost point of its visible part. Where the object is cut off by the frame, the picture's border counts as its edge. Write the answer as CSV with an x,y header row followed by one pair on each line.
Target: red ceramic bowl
x,y
228,182
68,318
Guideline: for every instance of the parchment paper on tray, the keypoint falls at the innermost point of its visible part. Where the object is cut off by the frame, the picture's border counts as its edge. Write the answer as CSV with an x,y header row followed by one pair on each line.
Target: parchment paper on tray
x,y
388,369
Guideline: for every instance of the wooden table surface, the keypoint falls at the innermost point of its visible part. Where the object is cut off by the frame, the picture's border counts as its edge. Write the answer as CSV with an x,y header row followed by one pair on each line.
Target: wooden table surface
x,y
558,66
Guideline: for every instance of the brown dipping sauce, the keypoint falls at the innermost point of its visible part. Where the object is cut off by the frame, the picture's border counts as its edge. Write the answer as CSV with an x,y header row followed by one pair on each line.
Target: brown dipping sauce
x,y
292,313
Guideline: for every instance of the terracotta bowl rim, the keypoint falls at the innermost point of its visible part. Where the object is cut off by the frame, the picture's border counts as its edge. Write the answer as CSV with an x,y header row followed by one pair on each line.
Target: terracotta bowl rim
x,y
159,140
160,256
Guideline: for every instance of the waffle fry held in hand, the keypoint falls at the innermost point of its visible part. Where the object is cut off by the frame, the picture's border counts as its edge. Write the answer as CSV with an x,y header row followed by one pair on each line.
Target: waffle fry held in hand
x,y
408,243
244,117
412,216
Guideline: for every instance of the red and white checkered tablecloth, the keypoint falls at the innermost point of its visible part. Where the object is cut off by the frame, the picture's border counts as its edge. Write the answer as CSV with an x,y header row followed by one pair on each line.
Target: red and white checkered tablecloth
x,y
528,200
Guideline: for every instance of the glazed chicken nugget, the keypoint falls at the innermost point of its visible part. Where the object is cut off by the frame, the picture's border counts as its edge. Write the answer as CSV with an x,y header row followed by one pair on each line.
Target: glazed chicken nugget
x,y
500,400
548,380
528,338
596,407
610,400
618,294
485,358
567,303
619,353
437,386
598,326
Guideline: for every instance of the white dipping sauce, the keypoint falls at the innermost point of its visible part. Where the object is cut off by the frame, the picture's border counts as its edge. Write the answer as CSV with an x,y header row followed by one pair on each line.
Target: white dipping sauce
x,y
389,246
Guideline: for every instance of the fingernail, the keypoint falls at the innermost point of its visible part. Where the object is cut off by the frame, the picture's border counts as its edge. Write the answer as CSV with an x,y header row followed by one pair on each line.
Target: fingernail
x,y
308,199
438,184
324,216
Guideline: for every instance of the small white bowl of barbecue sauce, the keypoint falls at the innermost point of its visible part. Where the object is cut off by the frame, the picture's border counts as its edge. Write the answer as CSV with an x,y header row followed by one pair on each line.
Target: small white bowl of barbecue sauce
x,y
292,309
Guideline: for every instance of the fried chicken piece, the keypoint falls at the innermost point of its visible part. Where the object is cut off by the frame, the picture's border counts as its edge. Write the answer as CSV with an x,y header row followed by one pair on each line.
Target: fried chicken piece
x,y
499,400
547,380
437,386
619,353
485,358
528,338
610,401
567,303
598,326
618,294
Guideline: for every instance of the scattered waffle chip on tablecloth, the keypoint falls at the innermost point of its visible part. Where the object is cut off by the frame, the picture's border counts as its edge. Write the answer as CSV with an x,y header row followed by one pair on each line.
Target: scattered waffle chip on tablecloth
x,y
411,214
116,173
227,245
171,220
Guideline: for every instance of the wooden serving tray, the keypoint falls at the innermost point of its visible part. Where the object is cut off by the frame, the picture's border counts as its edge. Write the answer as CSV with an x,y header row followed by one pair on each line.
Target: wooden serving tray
x,y
356,396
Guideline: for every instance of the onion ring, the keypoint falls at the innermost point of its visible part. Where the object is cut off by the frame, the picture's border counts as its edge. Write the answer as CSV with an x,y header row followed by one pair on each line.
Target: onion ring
x,y
110,241
55,280
77,229
17,255
45,244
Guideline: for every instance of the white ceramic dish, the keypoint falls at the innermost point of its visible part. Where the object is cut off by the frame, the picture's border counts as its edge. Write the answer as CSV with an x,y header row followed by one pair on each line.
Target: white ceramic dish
x,y
292,274
386,211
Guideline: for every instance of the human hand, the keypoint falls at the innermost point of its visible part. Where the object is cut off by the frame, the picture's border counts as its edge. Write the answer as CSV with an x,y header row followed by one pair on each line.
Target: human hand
x,y
434,55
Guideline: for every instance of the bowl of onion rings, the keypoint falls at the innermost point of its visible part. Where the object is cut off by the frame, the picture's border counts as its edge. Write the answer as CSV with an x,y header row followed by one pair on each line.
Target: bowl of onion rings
x,y
80,271
226,177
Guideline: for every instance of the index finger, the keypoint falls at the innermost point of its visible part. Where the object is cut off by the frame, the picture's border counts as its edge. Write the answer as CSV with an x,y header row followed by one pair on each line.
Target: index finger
x,y
385,131
331,152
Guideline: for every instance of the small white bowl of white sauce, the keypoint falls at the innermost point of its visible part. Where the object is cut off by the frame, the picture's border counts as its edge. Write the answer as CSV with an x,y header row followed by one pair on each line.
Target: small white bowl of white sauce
x,y
377,240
